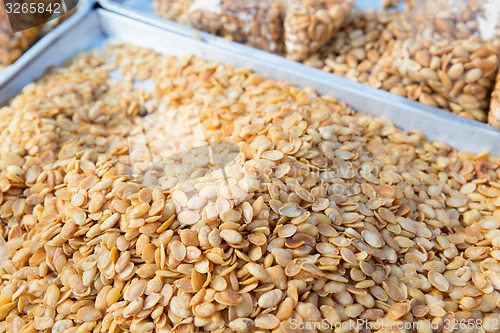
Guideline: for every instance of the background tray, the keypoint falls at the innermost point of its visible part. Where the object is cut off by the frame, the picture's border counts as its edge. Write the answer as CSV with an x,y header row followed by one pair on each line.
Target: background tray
x,y
96,26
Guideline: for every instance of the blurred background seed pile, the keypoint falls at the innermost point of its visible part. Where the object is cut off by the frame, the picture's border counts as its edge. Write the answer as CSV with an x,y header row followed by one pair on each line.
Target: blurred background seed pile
x,y
344,40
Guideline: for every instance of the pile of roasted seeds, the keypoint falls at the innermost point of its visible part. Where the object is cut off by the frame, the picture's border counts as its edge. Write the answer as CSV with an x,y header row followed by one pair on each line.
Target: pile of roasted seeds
x,y
322,215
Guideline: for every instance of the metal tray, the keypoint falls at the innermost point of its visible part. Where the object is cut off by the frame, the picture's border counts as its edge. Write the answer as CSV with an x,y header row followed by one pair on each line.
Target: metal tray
x,y
98,26
83,7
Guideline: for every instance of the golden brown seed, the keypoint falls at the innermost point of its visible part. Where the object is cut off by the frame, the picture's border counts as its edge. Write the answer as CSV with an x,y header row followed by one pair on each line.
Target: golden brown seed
x,y
241,324
398,310
88,313
178,250
373,239
188,217
308,311
270,299
258,271
393,291
228,297
473,75
113,296
231,236
135,290
267,321
438,281
205,310
230,215
456,71
52,295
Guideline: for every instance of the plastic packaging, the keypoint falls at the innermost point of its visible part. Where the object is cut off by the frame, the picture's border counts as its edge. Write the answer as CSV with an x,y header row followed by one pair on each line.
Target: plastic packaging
x,y
451,46
310,24
256,23
13,45
252,22
171,10
204,15
199,14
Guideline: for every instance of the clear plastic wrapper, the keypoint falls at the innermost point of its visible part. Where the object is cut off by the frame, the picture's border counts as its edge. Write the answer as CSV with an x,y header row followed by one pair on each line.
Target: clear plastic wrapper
x,y
494,115
310,24
203,14
255,23
452,46
171,10
13,45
